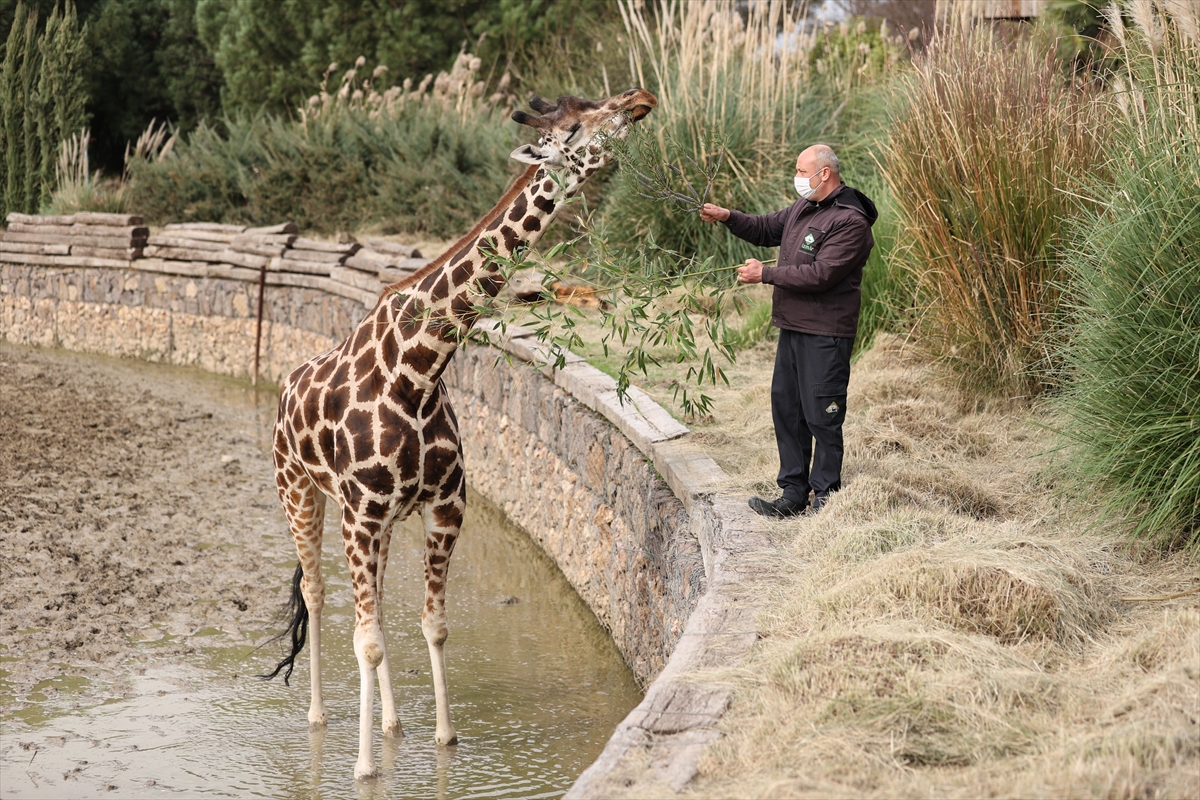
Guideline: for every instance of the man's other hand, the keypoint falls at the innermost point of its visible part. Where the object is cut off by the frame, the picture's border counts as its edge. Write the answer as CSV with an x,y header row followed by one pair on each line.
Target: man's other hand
x,y
711,213
751,272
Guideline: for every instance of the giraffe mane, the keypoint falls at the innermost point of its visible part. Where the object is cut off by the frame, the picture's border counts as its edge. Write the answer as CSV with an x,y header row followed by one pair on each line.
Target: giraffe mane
x,y
515,189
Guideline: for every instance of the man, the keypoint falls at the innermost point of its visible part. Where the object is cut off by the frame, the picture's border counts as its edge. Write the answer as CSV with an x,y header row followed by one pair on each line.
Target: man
x,y
824,240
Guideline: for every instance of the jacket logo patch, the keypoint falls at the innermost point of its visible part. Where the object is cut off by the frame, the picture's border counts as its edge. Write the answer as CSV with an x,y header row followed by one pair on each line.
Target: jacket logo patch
x,y
832,408
809,239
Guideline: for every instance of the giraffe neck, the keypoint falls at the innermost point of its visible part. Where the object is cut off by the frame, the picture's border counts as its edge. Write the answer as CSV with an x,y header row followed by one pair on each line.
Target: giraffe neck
x,y
431,312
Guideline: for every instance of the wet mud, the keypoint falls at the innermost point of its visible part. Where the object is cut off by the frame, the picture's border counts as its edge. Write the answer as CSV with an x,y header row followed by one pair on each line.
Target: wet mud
x,y
136,505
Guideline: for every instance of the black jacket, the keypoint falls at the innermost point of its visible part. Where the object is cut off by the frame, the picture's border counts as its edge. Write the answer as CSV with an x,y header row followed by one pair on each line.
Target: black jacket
x,y
822,249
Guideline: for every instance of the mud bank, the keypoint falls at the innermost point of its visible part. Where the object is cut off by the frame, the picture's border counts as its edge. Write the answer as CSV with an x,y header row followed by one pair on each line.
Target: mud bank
x,y
124,509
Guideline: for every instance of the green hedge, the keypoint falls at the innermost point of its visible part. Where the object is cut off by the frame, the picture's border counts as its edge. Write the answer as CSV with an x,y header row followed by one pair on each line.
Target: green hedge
x,y
424,169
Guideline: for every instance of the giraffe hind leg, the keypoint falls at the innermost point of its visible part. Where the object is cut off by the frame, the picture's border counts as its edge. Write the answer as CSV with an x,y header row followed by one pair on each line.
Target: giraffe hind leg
x,y
362,555
304,505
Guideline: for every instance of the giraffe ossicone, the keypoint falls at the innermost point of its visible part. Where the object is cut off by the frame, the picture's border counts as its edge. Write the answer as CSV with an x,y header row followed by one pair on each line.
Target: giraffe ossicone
x,y
369,422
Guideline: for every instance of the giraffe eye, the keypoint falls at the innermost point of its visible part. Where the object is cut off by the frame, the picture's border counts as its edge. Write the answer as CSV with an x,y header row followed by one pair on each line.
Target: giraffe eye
x,y
574,134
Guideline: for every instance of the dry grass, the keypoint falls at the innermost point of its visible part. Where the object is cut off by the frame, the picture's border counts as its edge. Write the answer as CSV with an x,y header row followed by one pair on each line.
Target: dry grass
x,y
951,625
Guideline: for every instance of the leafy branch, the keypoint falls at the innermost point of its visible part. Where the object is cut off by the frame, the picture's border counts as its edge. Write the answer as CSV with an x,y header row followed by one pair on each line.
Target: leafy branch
x,y
656,177
657,304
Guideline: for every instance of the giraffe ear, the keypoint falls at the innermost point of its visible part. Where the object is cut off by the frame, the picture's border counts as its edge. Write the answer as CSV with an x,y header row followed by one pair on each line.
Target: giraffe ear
x,y
529,154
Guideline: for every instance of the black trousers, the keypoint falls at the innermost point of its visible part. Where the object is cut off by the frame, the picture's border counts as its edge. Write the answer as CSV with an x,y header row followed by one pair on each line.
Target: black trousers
x,y
808,403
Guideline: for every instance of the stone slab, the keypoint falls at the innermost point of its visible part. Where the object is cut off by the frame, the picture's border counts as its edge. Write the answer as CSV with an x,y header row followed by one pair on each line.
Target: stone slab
x,y
80,230
39,219
186,243
402,250
352,277
129,253
232,272
79,239
39,249
218,227
347,248
115,220
302,267
62,261
314,255
193,269
283,227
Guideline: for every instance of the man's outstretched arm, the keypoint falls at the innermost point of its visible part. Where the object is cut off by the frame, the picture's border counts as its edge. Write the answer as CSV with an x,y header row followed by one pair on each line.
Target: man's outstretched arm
x,y
764,230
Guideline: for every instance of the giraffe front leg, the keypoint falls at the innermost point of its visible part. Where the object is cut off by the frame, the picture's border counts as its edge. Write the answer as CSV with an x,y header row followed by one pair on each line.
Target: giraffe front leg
x,y
365,650
442,524
362,554
391,722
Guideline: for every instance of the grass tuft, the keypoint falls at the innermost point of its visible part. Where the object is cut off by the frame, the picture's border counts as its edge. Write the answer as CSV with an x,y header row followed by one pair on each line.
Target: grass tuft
x,y
984,163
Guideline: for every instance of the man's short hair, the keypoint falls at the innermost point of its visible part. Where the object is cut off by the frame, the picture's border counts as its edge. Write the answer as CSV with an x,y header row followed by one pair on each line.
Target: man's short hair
x,y
825,157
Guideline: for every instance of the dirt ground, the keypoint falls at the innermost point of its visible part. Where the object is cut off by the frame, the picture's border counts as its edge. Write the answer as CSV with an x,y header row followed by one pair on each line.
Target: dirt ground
x,y
123,500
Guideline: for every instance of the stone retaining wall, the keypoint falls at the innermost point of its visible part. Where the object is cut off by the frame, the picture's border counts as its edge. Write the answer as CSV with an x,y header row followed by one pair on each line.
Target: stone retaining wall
x,y
611,492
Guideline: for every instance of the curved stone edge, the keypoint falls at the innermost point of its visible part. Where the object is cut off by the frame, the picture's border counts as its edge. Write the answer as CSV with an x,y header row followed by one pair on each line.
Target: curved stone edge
x,y
661,741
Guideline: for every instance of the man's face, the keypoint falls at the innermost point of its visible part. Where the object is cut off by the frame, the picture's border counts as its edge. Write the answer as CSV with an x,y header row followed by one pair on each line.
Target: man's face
x,y
806,166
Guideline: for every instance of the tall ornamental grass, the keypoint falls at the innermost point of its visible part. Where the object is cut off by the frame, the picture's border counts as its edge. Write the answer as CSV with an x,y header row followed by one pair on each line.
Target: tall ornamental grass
x,y
428,158
745,82
762,87
984,162
1132,397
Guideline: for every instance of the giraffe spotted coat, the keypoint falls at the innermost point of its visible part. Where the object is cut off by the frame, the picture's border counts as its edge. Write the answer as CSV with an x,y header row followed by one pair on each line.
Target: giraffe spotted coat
x,y
369,423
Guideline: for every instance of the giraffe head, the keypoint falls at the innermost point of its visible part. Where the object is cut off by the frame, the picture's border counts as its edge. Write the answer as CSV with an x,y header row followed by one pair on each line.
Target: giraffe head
x,y
573,131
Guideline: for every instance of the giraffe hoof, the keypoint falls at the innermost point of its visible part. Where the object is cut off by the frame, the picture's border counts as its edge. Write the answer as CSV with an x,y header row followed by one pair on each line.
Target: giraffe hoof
x,y
317,718
446,737
365,771
393,729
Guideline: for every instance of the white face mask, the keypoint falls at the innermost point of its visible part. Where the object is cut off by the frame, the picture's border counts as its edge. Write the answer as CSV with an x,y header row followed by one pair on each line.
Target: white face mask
x,y
804,186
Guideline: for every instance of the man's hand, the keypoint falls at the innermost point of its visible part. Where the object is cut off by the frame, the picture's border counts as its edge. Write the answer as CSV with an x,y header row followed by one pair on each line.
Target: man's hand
x,y
751,272
711,213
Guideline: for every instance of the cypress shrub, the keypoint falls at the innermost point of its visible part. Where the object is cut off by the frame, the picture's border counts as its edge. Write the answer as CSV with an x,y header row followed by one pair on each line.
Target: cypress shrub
x,y
18,81
1132,358
60,97
42,101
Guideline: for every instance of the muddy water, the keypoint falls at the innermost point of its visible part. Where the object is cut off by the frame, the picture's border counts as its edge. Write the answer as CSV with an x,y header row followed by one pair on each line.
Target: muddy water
x,y
168,705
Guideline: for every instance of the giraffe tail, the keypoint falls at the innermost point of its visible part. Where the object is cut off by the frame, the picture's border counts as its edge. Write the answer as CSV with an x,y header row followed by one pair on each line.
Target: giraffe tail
x,y
297,628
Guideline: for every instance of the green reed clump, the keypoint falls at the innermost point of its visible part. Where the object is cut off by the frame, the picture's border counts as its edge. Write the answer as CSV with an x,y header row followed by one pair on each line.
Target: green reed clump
x,y
1132,358
983,163
430,158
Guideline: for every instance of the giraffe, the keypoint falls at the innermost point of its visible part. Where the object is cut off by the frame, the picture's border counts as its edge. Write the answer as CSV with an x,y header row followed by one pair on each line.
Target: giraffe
x,y
369,423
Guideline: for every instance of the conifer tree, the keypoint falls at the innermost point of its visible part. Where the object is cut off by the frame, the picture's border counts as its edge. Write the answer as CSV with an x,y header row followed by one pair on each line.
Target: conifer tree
x,y
42,102
60,97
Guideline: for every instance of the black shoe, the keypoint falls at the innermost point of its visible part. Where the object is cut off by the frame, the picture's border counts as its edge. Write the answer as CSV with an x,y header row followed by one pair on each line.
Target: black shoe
x,y
779,509
819,500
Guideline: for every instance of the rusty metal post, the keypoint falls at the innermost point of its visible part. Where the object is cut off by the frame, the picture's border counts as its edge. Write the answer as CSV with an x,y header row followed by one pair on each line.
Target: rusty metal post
x,y
262,282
